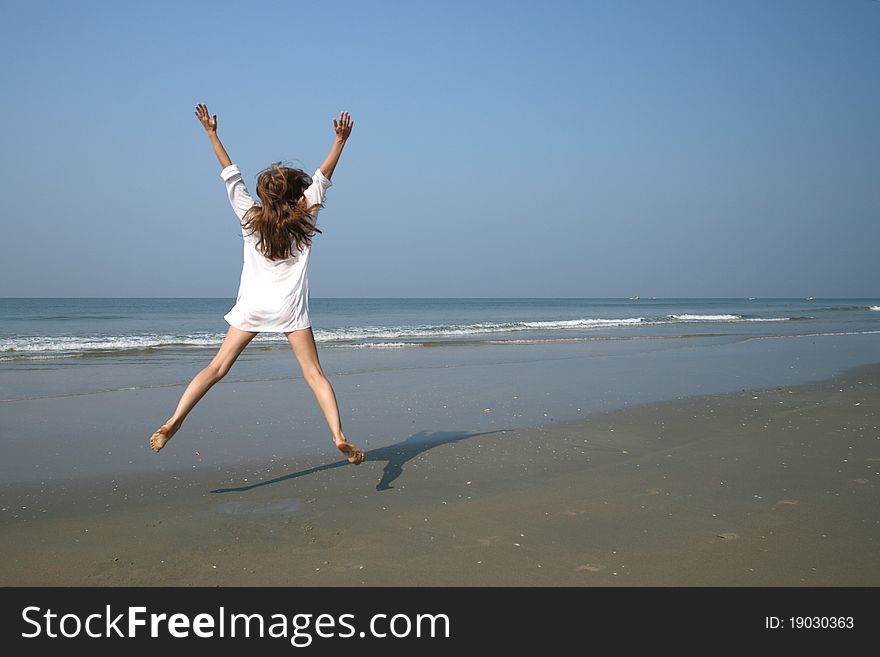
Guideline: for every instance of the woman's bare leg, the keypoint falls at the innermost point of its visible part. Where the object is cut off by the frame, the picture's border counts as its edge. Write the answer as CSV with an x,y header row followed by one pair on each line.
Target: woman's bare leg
x,y
306,352
234,343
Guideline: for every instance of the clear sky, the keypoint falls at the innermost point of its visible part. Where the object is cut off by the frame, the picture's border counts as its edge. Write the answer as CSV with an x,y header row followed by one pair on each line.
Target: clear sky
x,y
552,149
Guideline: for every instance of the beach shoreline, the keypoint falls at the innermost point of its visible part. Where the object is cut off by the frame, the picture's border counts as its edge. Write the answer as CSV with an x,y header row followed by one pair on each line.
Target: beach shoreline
x,y
776,486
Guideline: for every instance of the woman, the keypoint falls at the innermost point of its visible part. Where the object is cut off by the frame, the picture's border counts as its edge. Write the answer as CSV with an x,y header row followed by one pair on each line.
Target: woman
x,y
274,290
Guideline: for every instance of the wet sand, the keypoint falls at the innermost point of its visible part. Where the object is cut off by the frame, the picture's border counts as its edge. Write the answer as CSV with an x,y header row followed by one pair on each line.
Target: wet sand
x,y
777,487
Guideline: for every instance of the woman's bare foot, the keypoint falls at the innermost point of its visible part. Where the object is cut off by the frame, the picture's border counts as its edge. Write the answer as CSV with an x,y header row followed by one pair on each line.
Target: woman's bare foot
x,y
162,435
354,454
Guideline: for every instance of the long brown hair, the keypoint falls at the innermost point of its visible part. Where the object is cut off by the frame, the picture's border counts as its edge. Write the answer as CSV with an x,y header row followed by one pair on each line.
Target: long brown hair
x,y
285,222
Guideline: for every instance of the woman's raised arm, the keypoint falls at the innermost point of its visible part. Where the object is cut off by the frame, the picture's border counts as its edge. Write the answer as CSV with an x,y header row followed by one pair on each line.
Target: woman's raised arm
x,y
210,124
343,130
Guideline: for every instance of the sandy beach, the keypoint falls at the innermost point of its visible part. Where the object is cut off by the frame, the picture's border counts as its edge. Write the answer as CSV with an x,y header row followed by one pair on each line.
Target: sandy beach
x,y
771,487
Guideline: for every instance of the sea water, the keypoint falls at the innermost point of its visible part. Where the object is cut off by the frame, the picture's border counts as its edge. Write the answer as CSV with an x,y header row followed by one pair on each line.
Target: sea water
x,y
83,382
47,329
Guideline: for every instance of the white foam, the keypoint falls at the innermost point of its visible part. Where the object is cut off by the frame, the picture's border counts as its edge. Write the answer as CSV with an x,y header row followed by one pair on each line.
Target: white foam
x,y
440,330
705,318
32,345
60,346
100,343
583,323
875,307
726,318
375,337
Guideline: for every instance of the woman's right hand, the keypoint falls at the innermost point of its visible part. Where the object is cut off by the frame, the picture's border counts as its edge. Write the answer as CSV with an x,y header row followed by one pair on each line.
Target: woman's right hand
x,y
344,126
208,121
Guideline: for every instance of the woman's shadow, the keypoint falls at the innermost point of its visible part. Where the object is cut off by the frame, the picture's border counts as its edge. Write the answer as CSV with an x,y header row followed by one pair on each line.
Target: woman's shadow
x,y
395,455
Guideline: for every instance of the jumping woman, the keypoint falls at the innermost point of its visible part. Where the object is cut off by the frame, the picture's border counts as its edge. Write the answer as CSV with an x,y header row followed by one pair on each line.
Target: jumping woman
x,y
274,290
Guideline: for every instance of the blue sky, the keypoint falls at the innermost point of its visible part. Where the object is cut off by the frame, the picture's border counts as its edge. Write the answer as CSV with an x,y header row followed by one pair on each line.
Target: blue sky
x,y
556,149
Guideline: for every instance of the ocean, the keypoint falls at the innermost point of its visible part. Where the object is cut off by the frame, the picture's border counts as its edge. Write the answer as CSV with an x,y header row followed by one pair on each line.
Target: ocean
x,y
84,382
33,329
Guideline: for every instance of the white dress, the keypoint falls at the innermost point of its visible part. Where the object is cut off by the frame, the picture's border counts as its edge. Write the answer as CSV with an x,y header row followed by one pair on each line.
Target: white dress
x,y
273,295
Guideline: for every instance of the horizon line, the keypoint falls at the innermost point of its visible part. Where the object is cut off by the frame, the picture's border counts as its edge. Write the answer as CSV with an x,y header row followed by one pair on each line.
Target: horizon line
x,y
633,298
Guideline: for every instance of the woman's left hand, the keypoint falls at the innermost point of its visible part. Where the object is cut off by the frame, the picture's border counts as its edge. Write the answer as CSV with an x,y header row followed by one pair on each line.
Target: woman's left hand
x,y
208,121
